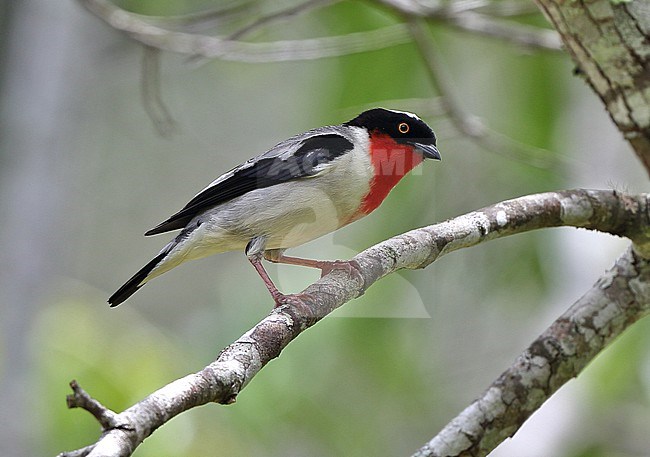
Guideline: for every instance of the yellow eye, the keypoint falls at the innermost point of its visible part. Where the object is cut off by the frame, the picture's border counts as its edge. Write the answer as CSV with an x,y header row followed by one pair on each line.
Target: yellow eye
x,y
403,127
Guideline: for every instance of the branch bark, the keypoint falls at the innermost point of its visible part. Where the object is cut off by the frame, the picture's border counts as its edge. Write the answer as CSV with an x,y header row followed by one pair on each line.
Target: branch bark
x,y
223,380
618,299
609,44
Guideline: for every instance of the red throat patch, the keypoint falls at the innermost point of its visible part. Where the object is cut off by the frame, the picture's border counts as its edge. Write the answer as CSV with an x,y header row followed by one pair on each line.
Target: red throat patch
x,y
391,161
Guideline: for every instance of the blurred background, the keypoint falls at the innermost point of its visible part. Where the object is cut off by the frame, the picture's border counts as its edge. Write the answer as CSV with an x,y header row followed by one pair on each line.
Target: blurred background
x,y
84,173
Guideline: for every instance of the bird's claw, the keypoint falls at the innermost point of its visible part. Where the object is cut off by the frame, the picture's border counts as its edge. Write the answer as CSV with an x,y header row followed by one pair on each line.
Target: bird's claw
x,y
293,300
351,267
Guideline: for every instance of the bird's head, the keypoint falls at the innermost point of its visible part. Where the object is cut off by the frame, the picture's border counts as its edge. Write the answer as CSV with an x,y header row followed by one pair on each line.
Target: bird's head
x,y
402,127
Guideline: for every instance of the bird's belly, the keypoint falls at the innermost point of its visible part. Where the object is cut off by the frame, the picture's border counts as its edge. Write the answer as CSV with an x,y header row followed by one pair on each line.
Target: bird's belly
x,y
289,215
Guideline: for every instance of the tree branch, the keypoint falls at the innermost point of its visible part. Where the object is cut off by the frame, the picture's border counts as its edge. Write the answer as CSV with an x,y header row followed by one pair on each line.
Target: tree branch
x,y
466,123
619,298
216,47
463,15
226,12
151,94
609,45
279,15
222,380
80,399
151,32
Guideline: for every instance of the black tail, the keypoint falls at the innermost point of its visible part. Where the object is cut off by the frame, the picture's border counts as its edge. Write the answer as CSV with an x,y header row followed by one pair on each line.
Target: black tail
x,y
133,284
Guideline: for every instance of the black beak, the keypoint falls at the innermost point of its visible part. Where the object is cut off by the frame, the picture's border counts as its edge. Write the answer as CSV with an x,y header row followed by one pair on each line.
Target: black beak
x,y
428,149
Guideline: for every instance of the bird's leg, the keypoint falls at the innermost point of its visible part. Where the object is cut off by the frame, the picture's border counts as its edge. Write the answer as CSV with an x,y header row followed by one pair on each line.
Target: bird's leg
x,y
256,261
254,252
325,266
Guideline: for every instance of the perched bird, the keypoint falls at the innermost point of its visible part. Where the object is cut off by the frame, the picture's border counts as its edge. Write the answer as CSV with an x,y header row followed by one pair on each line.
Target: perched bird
x,y
304,187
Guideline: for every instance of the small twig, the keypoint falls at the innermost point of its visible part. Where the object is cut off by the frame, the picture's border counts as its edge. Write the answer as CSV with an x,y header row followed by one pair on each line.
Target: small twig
x,y
81,399
464,15
201,19
83,452
468,124
518,34
151,94
417,9
279,15
525,153
505,8
216,47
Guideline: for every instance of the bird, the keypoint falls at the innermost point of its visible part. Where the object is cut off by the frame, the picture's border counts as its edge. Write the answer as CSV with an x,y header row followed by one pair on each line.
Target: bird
x,y
301,189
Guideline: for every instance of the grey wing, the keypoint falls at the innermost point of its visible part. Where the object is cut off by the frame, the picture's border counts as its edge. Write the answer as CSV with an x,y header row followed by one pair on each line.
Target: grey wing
x,y
301,156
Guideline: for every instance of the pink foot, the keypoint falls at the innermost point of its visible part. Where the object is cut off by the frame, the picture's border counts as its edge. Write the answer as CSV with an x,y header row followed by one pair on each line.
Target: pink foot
x,y
349,266
293,300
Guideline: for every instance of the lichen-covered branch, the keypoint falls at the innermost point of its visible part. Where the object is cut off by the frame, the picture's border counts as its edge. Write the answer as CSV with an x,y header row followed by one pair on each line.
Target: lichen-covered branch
x,y
619,298
608,41
223,380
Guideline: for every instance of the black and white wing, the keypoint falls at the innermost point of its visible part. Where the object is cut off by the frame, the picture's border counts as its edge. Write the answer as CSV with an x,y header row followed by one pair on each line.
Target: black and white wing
x,y
302,156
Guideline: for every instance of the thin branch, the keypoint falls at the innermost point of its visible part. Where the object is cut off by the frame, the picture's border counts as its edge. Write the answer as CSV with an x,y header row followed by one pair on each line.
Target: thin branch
x,y
464,16
468,124
223,380
505,8
151,31
616,301
279,15
216,47
83,452
81,399
519,34
201,19
151,94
